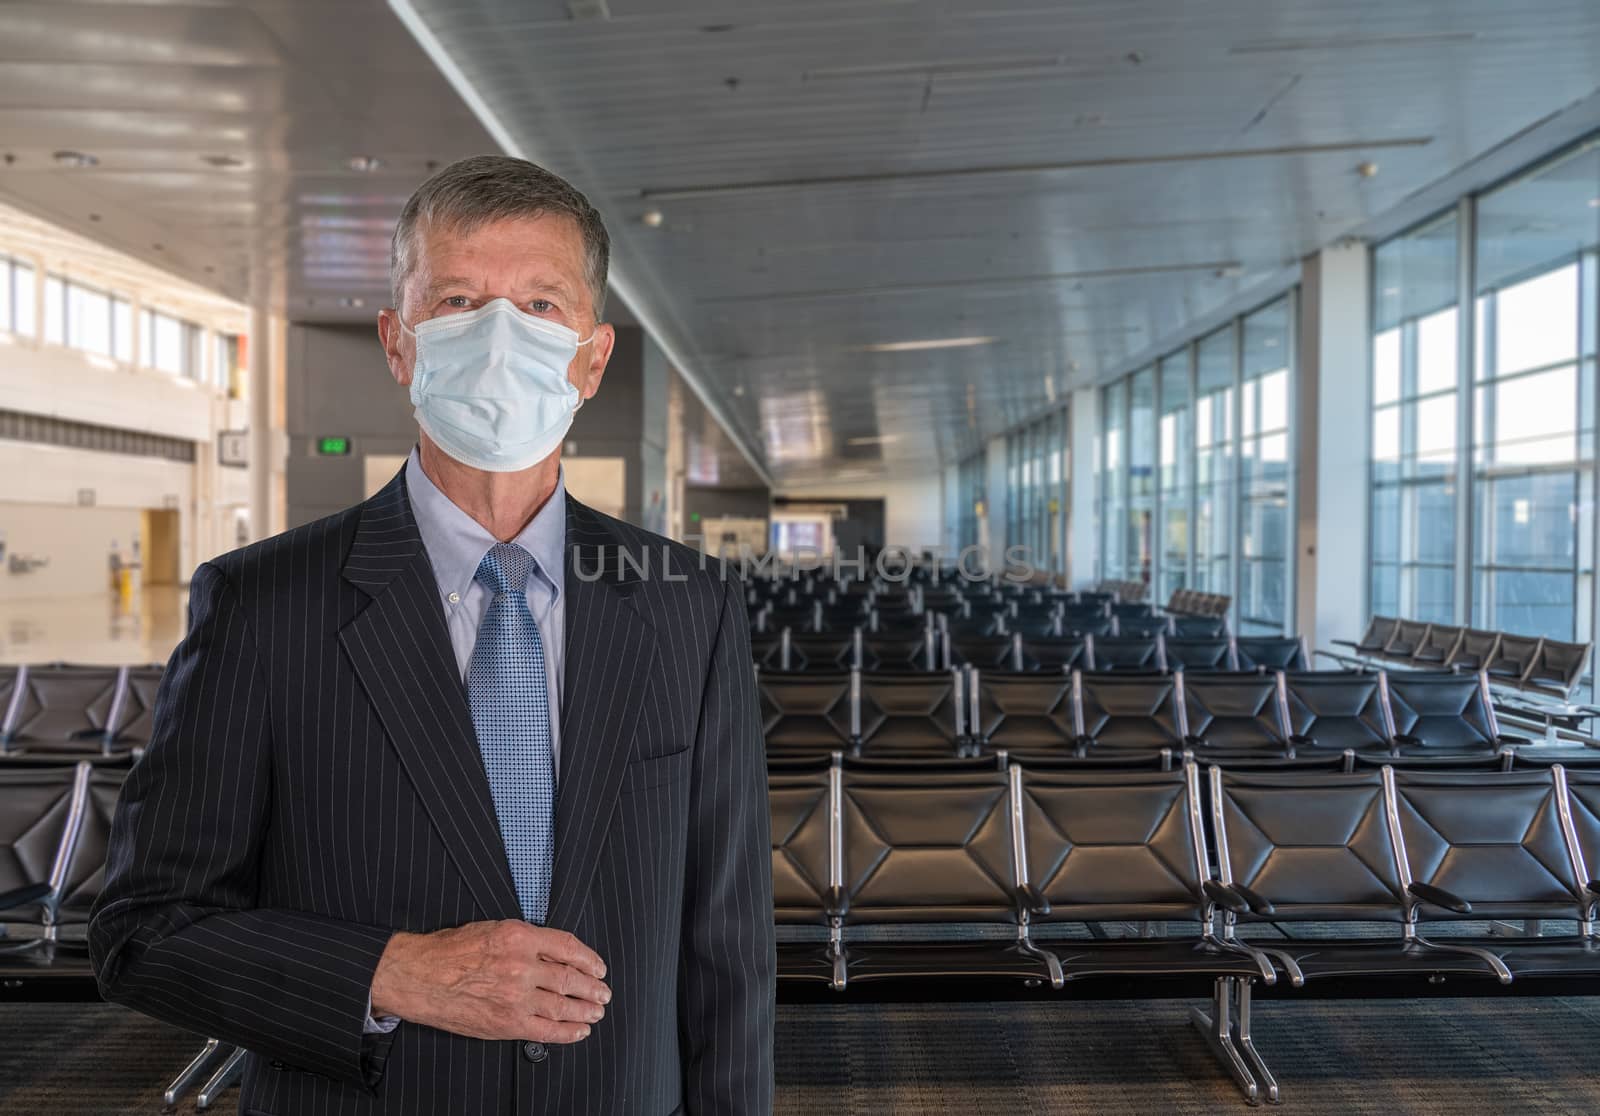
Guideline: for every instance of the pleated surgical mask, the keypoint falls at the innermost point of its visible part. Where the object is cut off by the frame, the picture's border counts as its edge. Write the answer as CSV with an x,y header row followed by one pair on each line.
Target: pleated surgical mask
x,y
490,386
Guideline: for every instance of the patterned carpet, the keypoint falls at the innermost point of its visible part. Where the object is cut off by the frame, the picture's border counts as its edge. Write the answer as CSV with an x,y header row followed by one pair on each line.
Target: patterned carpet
x,y
1443,1058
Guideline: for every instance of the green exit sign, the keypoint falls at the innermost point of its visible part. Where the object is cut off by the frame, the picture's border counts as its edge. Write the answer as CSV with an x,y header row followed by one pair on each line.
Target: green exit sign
x,y
333,447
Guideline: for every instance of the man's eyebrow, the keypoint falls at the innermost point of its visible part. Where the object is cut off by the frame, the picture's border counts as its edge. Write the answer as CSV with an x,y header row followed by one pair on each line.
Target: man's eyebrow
x,y
445,281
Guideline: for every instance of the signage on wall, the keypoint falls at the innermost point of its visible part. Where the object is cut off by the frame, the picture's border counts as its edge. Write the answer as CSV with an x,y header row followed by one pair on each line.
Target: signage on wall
x,y
233,448
333,447
86,497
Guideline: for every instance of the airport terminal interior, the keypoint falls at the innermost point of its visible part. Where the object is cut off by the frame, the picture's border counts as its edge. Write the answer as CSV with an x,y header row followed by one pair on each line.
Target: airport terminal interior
x,y
1157,439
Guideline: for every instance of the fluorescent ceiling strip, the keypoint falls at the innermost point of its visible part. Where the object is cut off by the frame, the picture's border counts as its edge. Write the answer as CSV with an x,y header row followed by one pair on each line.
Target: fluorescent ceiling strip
x,y
724,189
617,278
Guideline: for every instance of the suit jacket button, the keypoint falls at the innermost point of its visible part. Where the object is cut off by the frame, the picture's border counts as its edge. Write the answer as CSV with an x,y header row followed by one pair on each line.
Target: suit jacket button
x,y
534,1051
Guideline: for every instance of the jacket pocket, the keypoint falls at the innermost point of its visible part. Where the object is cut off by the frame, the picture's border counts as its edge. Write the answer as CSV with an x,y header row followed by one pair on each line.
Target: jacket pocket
x,y
653,771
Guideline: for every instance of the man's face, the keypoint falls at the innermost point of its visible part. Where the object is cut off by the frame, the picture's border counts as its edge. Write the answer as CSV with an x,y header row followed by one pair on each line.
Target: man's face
x,y
537,263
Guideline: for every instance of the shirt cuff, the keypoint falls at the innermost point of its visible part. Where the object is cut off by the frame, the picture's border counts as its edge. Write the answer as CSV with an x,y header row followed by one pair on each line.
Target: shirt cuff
x,y
380,1026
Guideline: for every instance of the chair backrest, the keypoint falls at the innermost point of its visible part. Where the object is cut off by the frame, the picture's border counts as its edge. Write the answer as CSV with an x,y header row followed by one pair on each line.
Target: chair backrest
x,y
61,708
1142,627
985,652
1129,711
1024,712
1512,658
37,820
1131,610
1336,710
1437,646
85,871
1476,650
822,651
801,852
905,650
982,622
1053,655
1557,668
809,713
927,847
1449,712
907,713
1380,630
802,617
766,648
1121,653
1035,624
1199,654
1316,845
1106,845
1583,795
1078,626
1200,627
1235,712
1271,653
1494,839
1408,636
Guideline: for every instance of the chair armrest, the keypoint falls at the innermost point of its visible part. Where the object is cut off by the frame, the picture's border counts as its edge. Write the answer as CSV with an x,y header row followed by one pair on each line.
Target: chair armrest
x,y
1192,741
838,901
1439,897
1405,740
22,896
1350,643
1032,900
1593,888
1083,745
1297,740
1258,902
1223,896
1512,741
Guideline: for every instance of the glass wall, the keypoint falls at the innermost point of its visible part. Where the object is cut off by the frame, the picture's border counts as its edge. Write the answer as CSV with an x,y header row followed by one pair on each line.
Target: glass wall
x,y
17,311
1503,404
1037,472
1197,469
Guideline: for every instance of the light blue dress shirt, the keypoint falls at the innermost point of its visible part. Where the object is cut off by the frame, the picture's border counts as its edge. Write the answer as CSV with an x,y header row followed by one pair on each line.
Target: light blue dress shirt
x,y
456,544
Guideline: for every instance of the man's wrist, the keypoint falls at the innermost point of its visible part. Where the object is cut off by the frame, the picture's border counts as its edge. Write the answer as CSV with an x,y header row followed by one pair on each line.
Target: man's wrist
x,y
383,998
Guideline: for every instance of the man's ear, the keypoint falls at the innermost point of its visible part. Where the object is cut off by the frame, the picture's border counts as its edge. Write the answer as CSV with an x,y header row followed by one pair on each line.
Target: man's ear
x,y
605,339
398,348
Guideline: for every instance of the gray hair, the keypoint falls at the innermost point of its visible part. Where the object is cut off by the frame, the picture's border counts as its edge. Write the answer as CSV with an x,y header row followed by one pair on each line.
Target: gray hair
x,y
472,192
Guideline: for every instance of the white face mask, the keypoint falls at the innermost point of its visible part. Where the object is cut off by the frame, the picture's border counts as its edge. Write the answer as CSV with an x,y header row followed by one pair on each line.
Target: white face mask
x,y
490,386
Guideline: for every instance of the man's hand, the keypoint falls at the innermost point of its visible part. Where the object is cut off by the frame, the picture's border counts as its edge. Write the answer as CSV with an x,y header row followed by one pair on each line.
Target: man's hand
x,y
493,980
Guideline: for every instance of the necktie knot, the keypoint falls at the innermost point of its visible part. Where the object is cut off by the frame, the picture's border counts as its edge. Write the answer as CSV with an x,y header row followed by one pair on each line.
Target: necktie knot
x,y
505,569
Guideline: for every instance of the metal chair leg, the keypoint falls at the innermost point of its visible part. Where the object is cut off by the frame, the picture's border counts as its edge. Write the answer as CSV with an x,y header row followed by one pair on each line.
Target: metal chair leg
x,y
223,1080
1217,1030
209,1055
1247,1046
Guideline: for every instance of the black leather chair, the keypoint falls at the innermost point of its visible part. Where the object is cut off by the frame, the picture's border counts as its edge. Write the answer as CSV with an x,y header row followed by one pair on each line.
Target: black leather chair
x,y
1053,655
62,710
806,714
803,891
1113,653
1336,711
1139,713
1437,712
984,652
1198,654
1271,653
1557,668
1142,627
1408,636
907,650
805,616
1200,627
906,714
1035,625
1077,626
1474,651
1437,647
766,648
1025,714
1380,630
1513,656
821,651
84,869
1235,713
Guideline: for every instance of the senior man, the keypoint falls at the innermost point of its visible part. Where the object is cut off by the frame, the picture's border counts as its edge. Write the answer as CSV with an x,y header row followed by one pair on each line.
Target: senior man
x,y
456,801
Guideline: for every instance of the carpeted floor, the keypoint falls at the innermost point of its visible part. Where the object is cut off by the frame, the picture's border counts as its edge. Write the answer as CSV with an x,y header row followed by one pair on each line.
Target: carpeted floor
x,y
1444,1058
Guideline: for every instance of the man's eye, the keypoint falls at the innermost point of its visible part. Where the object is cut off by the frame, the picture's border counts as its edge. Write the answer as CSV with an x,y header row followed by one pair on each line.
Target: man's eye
x,y
541,306
458,302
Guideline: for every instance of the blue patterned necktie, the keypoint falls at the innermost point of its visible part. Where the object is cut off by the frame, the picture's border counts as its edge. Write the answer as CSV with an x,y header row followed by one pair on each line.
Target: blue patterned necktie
x,y
510,698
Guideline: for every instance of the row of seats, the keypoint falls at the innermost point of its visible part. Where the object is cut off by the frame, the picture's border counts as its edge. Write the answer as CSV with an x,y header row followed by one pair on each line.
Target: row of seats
x,y
1279,717
65,709
1025,850
933,648
1192,602
1543,666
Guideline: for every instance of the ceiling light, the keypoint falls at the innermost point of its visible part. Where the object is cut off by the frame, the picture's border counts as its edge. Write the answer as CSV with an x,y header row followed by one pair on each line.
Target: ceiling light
x,y
1231,271
222,162
873,440
1369,169
652,218
926,344
1594,203
364,164
75,159
738,390
352,303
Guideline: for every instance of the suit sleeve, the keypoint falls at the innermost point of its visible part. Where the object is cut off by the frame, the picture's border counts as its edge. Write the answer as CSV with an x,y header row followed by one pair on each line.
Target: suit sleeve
x,y
176,932
728,964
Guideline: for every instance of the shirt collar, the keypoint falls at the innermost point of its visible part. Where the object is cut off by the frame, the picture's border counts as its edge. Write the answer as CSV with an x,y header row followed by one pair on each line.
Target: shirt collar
x,y
456,543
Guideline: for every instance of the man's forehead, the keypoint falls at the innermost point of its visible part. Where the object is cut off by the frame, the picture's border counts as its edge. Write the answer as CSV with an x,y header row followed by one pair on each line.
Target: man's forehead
x,y
547,235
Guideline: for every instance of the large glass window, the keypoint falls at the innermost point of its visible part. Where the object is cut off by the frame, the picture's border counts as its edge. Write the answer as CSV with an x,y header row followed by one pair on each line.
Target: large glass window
x,y
17,312
85,318
1264,470
1175,454
170,344
1214,448
1113,481
1534,401
1140,553
1415,370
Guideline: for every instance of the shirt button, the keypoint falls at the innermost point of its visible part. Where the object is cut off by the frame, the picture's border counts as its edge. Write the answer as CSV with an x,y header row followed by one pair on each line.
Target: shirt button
x,y
455,598
534,1051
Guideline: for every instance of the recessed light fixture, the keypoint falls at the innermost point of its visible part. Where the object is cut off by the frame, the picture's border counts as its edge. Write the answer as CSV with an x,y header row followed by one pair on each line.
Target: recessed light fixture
x,y
1594,203
364,164
652,218
222,162
1369,169
1232,271
352,303
738,390
928,343
873,440
78,160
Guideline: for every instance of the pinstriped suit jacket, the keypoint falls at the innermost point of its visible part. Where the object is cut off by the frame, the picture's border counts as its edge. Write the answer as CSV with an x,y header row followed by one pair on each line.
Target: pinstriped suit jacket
x,y
314,784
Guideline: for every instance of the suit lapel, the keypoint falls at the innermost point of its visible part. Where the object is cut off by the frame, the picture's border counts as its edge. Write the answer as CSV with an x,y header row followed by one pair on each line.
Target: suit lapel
x,y
400,649
610,650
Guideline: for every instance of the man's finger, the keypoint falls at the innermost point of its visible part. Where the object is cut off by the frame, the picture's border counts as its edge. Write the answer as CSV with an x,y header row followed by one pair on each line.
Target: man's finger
x,y
564,980
540,1029
563,1009
558,945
